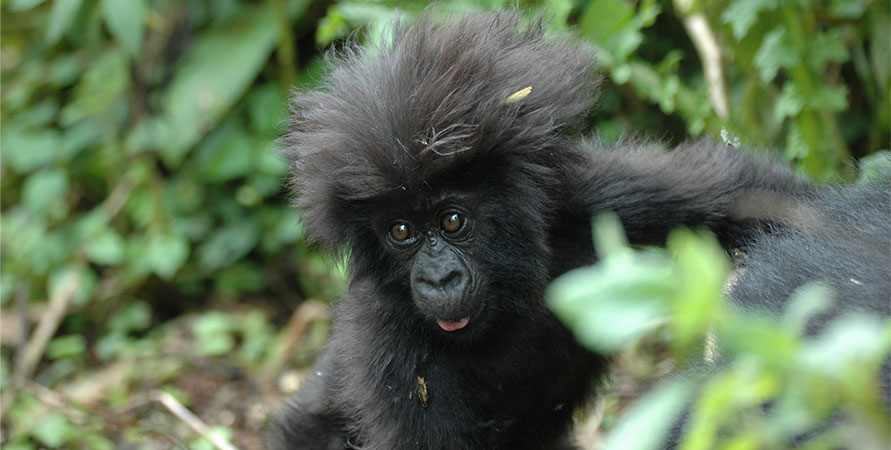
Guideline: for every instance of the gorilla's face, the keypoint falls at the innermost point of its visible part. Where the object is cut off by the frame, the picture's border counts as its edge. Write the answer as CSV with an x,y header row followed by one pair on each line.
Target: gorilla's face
x,y
444,286
466,258
434,239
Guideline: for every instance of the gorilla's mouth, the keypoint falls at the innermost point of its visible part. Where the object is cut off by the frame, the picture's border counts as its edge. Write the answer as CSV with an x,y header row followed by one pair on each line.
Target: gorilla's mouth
x,y
453,326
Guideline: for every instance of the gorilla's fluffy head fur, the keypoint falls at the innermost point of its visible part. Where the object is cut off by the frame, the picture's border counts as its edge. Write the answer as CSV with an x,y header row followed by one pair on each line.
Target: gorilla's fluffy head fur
x,y
428,107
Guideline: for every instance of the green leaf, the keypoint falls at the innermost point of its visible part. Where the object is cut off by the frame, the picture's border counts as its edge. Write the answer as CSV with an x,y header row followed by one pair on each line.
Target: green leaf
x,y
105,248
61,18
789,103
19,443
165,253
875,167
656,414
557,13
134,316
608,236
215,72
67,346
84,277
702,268
848,9
849,340
721,399
796,146
226,154
111,345
806,302
645,81
668,89
64,70
613,26
828,46
25,151
776,52
760,335
23,5
742,14
213,332
258,338
228,244
125,20
8,285
54,431
90,224
620,299
270,162
880,48
29,232
603,19
45,191
241,277
832,98
332,26
346,16
247,195
38,115
282,227
148,134
266,110
78,137
103,84
185,194
98,442
648,12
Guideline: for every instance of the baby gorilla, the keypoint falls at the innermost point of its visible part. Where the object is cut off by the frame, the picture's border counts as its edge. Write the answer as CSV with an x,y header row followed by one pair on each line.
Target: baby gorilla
x,y
447,165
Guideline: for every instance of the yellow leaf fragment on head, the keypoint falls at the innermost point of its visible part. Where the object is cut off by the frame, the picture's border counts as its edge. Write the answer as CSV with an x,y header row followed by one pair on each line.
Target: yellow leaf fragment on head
x,y
519,95
422,391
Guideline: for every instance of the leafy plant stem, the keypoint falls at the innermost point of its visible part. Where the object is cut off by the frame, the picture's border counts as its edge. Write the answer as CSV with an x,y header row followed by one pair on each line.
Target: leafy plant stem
x,y
286,53
819,128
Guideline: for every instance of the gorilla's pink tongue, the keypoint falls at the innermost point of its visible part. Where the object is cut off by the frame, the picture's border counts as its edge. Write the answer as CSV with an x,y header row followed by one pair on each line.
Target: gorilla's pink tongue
x,y
453,326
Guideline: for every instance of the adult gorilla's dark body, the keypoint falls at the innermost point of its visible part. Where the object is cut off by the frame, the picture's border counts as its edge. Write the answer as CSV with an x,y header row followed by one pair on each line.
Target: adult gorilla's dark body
x,y
840,236
459,199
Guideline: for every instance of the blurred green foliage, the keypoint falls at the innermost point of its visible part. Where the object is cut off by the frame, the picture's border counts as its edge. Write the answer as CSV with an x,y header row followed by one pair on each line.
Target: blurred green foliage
x,y
137,161
676,294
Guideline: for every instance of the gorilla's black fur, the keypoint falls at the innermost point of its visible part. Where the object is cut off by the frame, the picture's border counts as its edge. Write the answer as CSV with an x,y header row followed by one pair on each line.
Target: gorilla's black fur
x,y
456,207
842,237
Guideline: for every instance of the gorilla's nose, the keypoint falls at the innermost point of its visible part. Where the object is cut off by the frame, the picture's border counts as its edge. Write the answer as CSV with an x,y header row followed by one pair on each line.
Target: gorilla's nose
x,y
436,283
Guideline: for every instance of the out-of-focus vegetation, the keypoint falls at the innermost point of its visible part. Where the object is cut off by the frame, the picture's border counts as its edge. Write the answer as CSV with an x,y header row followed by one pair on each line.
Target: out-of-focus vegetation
x,y
147,243
674,297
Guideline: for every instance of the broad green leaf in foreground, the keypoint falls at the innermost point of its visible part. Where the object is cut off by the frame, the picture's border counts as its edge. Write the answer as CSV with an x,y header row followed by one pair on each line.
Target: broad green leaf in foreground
x,y
618,300
125,22
656,414
213,75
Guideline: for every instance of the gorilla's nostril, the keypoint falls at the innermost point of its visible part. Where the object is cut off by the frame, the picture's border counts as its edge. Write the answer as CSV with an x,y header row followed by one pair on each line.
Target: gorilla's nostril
x,y
450,280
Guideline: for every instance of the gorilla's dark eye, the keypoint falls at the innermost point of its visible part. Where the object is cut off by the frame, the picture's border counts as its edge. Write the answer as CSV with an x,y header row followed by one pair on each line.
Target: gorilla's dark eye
x,y
401,232
452,222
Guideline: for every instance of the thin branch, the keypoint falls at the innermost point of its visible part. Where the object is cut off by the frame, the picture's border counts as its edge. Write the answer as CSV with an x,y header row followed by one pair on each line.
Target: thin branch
x,y
706,43
118,196
21,310
288,340
193,421
27,361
